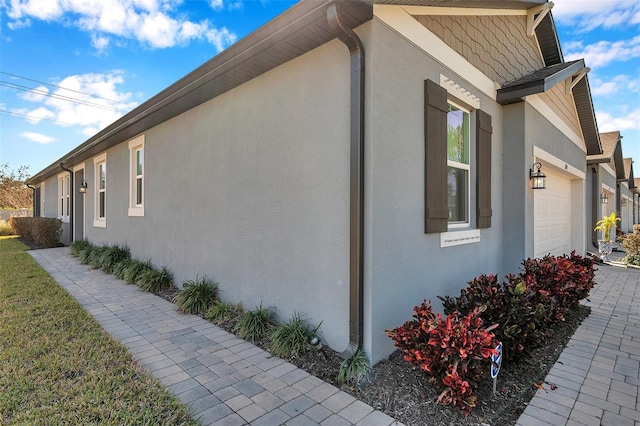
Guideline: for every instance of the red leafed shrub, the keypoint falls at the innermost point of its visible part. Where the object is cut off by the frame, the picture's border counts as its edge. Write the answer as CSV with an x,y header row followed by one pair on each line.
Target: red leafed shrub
x,y
563,280
449,349
42,231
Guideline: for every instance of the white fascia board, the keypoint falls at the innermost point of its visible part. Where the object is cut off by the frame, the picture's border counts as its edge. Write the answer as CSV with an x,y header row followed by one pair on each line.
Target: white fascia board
x,y
400,21
548,113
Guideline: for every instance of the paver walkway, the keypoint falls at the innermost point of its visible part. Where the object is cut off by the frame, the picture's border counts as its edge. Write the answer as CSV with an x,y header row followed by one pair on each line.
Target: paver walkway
x,y
224,379
598,373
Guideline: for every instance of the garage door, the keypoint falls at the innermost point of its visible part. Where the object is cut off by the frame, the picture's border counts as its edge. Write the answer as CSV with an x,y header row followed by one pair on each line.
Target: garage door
x,y
552,216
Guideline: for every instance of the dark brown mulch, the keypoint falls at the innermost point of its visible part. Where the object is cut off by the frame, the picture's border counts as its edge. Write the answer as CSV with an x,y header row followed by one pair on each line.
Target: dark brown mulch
x,y
403,392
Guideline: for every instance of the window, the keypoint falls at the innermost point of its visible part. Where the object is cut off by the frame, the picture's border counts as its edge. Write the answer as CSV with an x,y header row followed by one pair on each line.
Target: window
x,y
64,199
136,173
458,169
452,117
100,186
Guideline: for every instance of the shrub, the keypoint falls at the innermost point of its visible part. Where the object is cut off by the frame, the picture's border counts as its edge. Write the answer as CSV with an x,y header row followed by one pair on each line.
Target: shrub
x,y
84,253
5,229
110,256
450,350
636,228
196,296
253,325
354,369
154,280
222,312
133,269
78,246
631,244
40,231
292,337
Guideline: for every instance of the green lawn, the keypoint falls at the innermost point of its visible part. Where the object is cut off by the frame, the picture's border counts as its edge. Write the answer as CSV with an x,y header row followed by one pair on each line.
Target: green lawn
x,y
57,365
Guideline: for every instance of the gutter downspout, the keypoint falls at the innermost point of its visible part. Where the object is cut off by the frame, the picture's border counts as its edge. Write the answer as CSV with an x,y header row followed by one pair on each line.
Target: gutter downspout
x,y
71,203
33,199
595,200
356,215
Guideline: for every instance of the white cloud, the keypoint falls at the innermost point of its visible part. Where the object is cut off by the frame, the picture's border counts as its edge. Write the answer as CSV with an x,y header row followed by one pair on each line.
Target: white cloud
x,y
37,137
90,101
154,23
609,123
619,84
590,14
604,52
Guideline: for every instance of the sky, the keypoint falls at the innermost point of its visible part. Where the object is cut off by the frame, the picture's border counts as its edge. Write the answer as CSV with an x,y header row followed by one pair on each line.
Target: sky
x,y
69,68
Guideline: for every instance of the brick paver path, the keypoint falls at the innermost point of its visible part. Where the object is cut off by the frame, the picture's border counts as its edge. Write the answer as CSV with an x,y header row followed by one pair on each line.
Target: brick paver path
x,y
225,380
597,374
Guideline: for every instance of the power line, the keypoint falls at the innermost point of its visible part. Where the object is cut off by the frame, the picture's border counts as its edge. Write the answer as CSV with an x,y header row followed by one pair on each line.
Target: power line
x,y
59,87
17,114
54,95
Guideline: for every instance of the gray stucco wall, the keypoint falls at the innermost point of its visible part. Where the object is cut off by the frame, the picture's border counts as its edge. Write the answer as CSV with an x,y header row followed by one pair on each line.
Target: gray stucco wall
x,y
250,189
404,265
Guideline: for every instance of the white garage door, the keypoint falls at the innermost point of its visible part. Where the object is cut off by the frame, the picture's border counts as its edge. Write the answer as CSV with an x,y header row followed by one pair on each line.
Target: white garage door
x,y
552,216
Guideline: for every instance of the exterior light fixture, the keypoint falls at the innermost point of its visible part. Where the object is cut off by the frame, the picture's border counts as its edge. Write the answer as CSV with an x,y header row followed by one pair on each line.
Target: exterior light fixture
x,y
604,199
83,186
538,179
623,201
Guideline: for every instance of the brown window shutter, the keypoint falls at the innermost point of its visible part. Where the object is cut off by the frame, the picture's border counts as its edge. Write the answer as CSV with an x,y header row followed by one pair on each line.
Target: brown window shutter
x,y
435,161
483,174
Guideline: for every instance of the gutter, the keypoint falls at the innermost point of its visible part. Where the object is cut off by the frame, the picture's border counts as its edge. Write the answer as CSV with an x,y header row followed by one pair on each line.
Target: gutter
x,y
356,215
595,199
33,199
71,197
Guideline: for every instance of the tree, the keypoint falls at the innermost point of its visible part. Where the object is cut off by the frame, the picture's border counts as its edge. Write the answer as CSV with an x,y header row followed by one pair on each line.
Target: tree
x,y
13,192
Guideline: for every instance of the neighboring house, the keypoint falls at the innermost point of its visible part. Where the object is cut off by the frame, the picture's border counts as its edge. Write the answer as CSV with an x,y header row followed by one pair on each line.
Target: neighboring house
x,y
348,183
626,187
606,170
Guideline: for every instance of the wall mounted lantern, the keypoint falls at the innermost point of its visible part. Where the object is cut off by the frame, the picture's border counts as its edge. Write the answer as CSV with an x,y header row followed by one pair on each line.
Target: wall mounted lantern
x,y
83,186
604,199
623,201
538,179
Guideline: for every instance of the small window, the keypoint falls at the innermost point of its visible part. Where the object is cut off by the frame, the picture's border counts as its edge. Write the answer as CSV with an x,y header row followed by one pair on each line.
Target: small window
x,y
100,214
458,166
136,172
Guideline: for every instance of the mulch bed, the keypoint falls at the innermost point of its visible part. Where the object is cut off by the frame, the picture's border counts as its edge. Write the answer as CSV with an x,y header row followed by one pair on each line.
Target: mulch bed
x,y
403,392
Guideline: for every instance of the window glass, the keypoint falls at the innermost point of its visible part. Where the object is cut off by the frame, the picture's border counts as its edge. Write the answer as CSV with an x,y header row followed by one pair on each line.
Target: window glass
x,y
458,169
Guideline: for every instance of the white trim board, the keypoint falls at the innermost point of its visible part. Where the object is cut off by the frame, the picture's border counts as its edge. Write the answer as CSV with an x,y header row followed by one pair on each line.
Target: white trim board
x,y
541,154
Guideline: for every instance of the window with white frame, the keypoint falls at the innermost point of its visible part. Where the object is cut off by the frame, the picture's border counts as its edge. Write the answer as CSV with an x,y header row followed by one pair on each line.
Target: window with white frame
x,y
458,166
136,173
100,191
64,199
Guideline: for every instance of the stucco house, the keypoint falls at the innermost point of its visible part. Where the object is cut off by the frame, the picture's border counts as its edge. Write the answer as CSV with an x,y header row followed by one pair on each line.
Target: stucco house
x,y
348,160
605,174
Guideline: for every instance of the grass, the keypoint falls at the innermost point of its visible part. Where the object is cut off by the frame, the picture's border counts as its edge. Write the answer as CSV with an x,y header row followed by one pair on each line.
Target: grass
x,y
354,369
253,325
292,337
155,279
57,365
221,312
196,296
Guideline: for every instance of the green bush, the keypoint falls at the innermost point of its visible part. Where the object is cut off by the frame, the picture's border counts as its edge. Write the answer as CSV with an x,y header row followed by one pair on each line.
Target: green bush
x,y
5,228
354,369
222,312
110,256
196,296
78,246
154,280
84,253
41,231
631,244
253,325
292,337
133,270
95,257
